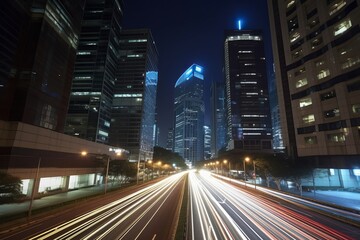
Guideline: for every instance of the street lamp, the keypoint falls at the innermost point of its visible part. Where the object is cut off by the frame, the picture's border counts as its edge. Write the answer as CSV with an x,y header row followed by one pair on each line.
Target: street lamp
x,y
152,168
225,162
247,159
217,168
254,173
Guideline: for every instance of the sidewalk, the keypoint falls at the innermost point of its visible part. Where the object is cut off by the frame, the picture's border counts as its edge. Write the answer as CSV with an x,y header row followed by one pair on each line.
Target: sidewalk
x,y
340,198
12,209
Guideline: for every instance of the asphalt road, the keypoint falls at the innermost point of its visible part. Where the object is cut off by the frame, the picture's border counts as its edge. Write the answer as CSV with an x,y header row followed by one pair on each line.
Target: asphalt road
x,y
219,210
147,213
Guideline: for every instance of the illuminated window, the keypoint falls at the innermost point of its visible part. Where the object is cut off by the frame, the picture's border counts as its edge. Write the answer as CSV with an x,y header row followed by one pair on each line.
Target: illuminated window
x,y
316,42
314,22
297,53
309,118
83,53
336,6
332,113
295,36
290,3
328,95
301,82
323,73
349,62
342,27
305,102
355,108
310,140
336,137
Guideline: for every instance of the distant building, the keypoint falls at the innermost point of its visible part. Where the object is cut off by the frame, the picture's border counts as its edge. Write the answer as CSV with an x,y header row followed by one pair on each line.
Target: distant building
x,y
133,109
317,64
38,48
189,115
170,140
218,117
207,142
89,114
247,98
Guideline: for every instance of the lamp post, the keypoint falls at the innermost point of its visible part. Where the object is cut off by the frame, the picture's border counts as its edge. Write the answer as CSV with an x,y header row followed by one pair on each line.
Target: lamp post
x,y
225,162
247,159
33,188
254,173
152,168
217,167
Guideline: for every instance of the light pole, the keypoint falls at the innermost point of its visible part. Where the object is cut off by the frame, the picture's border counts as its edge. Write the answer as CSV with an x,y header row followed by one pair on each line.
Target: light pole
x,y
225,162
254,173
245,160
152,168
33,188
217,167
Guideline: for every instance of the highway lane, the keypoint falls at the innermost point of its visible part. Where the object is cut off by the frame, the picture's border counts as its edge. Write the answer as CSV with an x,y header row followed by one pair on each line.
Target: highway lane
x,y
221,211
149,213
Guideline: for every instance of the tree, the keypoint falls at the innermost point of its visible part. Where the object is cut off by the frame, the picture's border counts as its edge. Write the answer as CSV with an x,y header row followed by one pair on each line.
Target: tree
x,y
168,157
10,188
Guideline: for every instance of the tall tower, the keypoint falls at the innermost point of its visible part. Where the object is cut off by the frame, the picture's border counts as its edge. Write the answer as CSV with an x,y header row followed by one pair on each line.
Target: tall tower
x,y
189,115
218,117
89,114
39,40
317,64
247,100
133,109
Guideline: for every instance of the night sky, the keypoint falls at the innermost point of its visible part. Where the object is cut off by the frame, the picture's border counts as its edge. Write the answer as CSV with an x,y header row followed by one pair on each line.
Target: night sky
x,y
192,31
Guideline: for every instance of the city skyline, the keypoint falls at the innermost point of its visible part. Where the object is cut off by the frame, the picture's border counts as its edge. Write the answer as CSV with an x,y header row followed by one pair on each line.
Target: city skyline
x,y
190,32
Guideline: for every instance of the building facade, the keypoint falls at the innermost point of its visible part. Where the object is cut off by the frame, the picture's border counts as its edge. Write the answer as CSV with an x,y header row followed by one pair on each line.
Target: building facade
x,y
38,49
247,99
317,59
134,103
189,115
89,114
218,117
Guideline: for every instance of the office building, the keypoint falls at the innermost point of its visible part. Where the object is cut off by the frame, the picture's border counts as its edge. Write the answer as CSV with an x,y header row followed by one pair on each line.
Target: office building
x,y
170,140
317,58
207,142
218,117
38,46
134,103
189,115
247,99
97,60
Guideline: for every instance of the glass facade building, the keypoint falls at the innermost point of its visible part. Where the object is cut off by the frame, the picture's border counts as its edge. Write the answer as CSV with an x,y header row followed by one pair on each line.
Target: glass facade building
x,y
247,98
189,115
89,114
37,53
218,117
134,103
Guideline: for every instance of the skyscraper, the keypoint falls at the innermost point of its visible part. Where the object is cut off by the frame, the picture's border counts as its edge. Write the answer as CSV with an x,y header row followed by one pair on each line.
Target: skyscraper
x,y
207,142
317,64
218,117
39,40
247,100
134,104
89,114
189,115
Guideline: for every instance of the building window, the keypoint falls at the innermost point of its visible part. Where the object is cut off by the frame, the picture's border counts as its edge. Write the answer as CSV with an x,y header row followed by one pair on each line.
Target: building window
x,y
297,53
316,42
313,23
336,137
310,140
355,108
335,6
305,102
328,95
302,82
290,4
349,62
295,36
342,27
332,113
299,72
293,24
309,118
323,74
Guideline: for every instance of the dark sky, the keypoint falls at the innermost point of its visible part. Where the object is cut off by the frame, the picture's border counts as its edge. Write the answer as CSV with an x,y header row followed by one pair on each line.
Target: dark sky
x,y
192,31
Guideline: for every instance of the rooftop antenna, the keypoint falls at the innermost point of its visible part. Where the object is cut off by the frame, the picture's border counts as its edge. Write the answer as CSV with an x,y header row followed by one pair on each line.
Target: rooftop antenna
x,y
239,24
